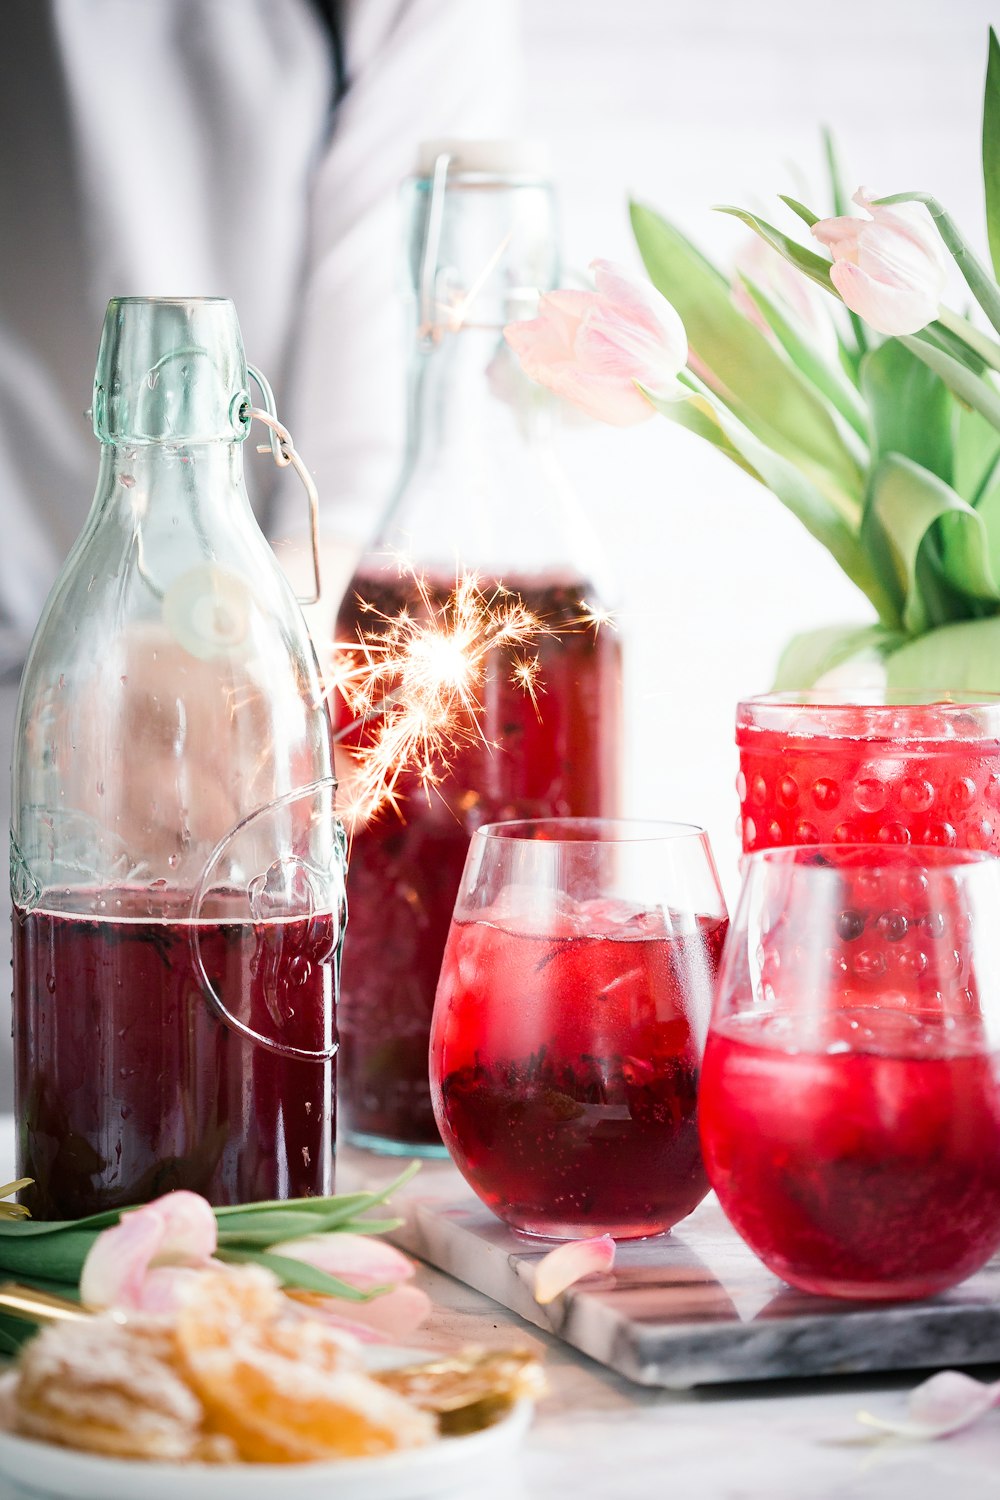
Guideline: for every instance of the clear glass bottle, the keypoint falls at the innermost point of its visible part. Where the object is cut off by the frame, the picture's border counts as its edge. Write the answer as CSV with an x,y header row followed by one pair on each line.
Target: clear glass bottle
x,y
481,491
176,866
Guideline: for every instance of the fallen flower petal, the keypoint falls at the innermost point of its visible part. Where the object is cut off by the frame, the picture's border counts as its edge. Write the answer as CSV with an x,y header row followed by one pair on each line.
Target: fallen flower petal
x,y
945,1404
569,1263
359,1259
178,1229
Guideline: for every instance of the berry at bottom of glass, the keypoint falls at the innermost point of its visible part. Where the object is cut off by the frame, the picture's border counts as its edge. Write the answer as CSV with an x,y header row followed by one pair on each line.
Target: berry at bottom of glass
x,y
817,770
850,1103
564,1064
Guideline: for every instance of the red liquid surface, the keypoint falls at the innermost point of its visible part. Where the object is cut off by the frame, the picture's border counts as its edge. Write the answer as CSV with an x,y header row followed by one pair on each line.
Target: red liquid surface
x,y
565,1069
128,1082
561,759
864,1165
809,788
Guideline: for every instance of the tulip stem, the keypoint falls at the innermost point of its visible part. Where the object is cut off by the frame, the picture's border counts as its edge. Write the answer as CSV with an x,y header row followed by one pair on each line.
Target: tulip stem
x,y
975,274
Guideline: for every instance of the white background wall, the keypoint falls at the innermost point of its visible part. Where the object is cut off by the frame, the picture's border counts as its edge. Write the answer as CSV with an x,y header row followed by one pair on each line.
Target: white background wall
x,y
684,105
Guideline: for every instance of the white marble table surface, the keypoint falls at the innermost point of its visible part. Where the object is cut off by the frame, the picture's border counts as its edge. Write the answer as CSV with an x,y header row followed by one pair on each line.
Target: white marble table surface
x,y
599,1437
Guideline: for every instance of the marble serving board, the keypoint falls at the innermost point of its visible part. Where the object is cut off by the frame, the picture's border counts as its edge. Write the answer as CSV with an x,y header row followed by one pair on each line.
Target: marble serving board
x,y
695,1307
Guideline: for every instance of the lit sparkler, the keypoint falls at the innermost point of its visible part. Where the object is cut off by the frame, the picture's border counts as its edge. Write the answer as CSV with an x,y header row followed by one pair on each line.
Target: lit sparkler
x,y
419,675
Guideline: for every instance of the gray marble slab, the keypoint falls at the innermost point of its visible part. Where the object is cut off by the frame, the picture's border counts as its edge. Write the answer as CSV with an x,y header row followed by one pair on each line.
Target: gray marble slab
x,y
696,1307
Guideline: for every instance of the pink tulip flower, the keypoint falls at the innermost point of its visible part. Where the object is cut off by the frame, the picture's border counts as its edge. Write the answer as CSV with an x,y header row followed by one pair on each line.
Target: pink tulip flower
x,y
143,1261
596,349
889,268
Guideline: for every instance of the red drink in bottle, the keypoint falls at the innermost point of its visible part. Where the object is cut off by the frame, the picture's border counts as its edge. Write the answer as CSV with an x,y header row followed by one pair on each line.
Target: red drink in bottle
x,y
564,1063
557,757
173,1097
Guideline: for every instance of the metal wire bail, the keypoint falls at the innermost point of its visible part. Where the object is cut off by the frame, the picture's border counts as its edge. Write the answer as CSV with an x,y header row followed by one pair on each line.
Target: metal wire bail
x,y
283,451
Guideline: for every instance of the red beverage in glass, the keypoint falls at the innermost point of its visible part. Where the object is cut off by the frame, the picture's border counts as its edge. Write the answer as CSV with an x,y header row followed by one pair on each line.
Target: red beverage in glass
x,y
867,1165
850,1093
564,1064
557,757
816,770
139,1086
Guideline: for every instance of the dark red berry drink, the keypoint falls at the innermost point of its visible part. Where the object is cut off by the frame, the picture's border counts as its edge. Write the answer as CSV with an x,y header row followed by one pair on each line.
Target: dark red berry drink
x,y
559,756
564,1063
172,1097
814,769
850,1097
872,1171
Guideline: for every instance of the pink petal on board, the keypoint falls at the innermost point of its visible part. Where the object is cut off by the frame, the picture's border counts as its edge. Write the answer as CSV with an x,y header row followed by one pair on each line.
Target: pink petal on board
x,y
569,1263
945,1404
360,1259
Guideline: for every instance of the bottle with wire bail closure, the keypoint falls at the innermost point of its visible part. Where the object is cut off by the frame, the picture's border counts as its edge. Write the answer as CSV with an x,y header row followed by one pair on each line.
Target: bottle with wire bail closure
x,y
482,516
177,869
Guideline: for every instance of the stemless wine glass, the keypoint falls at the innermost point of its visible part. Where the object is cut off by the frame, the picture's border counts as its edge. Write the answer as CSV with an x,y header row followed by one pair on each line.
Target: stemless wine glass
x,y
850,1109
570,1016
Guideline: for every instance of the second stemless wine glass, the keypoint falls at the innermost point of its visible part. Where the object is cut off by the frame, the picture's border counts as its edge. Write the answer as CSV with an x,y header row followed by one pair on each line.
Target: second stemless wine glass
x,y
850,1109
570,1016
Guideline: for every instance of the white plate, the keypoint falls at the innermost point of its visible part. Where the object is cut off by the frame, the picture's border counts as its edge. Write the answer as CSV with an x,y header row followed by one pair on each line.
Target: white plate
x,y
447,1465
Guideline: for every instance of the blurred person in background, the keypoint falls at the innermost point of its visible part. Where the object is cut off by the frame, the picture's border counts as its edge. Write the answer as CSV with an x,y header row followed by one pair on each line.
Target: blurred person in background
x,y
242,148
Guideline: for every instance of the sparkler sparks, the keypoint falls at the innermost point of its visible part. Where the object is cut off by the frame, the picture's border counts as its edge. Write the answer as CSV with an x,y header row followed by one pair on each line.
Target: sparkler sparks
x,y
418,675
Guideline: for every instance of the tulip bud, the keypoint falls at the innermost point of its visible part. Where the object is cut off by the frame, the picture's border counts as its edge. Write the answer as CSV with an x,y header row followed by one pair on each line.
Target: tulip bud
x,y
595,349
890,267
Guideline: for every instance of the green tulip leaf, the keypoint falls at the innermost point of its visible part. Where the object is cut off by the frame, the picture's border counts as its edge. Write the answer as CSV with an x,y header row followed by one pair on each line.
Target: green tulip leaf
x,y
704,415
742,365
991,150
799,209
976,391
964,658
829,381
931,548
816,267
976,452
911,410
956,335
809,656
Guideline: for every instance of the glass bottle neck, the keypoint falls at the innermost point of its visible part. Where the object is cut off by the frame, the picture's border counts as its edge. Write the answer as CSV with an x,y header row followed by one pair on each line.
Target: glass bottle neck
x,y
469,400
169,483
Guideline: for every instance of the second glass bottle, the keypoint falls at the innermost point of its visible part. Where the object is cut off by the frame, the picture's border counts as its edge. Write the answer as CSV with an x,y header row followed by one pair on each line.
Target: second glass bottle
x,y
481,491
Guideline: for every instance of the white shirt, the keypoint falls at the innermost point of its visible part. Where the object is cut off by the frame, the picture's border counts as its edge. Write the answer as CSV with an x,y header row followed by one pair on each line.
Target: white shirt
x,y
186,147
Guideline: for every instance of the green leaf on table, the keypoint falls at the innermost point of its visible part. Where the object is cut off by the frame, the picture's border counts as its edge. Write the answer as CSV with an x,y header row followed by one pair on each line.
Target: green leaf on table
x,y
991,150
930,546
812,654
299,1274
964,657
704,415
742,365
910,407
828,380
